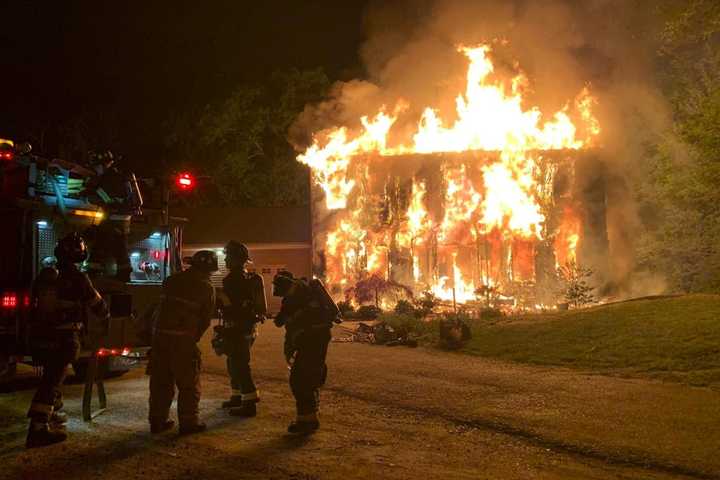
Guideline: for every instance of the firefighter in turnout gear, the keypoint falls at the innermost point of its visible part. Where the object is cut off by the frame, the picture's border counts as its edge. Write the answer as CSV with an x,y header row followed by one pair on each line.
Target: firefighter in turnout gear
x,y
60,299
307,313
247,308
188,304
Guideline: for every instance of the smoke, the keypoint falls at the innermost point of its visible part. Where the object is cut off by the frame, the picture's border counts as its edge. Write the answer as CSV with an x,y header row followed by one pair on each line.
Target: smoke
x,y
562,46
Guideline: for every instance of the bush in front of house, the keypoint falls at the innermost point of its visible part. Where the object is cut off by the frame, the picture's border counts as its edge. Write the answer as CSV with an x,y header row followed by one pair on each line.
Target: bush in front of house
x,y
490,313
403,307
368,312
454,330
347,311
409,326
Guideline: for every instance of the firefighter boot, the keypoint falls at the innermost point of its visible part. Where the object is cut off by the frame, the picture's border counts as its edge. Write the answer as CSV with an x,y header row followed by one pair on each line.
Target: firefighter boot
x,y
235,401
41,435
192,428
246,409
160,427
58,418
304,425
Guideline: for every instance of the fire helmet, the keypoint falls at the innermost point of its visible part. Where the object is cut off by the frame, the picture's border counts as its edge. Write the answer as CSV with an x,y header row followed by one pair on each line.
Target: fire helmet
x,y
205,260
282,282
71,249
236,253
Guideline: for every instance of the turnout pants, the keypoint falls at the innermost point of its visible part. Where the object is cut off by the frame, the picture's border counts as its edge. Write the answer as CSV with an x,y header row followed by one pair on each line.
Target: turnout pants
x,y
238,365
175,362
55,352
308,371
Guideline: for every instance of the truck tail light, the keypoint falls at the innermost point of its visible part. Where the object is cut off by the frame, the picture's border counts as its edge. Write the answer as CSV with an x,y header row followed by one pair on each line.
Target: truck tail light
x,y
113,352
9,300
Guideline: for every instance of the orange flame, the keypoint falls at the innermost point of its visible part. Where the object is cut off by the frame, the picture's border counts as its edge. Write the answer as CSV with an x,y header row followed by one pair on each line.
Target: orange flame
x,y
496,204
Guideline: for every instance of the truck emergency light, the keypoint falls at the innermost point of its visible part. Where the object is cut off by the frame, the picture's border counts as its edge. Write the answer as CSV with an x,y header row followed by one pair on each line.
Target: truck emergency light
x,y
185,181
89,213
6,150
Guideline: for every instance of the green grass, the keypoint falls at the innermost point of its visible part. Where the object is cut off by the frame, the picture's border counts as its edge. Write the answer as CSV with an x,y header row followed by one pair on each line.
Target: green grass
x,y
676,338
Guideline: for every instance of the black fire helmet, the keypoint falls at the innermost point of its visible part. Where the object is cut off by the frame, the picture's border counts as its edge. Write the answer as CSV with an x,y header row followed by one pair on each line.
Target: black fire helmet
x,y
205,261
282,282
238,251
71,249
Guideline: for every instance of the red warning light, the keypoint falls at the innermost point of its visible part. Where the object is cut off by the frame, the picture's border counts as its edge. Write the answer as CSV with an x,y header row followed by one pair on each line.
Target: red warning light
x,y
185,181
9,300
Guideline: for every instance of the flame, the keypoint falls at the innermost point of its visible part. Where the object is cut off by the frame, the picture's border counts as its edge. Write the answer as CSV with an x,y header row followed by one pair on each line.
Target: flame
x,y
568,238
494,210
331,162
489,118
457,288
462,202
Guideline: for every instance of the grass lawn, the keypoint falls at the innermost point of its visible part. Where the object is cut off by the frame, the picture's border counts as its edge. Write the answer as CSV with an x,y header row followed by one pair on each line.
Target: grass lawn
x,y
676,338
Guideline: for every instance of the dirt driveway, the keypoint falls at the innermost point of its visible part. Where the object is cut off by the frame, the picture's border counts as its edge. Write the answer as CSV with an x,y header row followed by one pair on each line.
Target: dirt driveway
x,y
392,413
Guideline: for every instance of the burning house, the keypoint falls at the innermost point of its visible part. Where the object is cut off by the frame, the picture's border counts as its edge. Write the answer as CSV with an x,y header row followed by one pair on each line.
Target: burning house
x,y
492,202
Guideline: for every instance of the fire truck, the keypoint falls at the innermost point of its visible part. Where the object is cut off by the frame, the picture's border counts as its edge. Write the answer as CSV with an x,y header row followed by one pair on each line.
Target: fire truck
x,y
133,248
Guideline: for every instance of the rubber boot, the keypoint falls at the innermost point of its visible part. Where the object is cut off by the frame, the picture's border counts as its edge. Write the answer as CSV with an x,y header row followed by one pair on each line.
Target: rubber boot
x,y
246,409
235,401
41,435
304,425
58,418
160,427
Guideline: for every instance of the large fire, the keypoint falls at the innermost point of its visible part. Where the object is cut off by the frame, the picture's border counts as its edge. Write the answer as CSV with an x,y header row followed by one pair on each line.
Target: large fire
x,y
471,206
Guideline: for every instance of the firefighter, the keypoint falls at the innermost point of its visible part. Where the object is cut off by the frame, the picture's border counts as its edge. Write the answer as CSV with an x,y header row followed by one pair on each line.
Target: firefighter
x,y
188,303
60,298
307,313
247,308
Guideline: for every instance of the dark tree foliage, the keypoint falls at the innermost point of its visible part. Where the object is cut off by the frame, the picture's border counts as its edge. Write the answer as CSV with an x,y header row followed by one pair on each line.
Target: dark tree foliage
x,y
241,142
678,189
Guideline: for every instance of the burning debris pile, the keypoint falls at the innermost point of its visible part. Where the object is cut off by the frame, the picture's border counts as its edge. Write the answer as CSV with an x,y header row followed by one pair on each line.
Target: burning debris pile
x,y
487,205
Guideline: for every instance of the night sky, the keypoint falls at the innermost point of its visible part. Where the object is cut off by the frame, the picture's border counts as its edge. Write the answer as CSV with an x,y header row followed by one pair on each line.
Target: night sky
x,y
128,66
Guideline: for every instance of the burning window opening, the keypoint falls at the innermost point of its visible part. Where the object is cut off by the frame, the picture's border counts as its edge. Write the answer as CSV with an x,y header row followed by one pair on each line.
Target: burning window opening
x,y
490,203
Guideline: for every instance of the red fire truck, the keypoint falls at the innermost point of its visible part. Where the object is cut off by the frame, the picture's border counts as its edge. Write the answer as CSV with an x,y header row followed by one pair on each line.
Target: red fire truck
x,y
133,248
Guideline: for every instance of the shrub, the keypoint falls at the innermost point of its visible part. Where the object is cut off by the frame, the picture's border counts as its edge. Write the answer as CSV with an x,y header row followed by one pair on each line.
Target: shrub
x,y
368,312
403,307
491,314
346,309
410,326
454,331
425,305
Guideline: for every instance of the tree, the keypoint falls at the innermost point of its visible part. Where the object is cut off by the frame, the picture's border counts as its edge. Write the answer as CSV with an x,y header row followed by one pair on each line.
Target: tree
x,y
677,190
241,142
371,288
576,290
